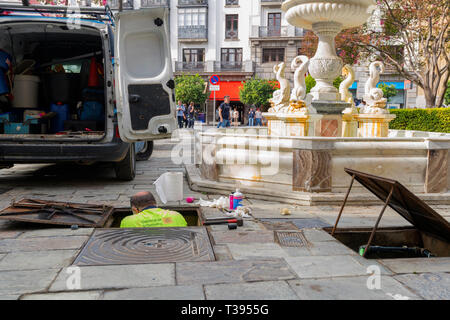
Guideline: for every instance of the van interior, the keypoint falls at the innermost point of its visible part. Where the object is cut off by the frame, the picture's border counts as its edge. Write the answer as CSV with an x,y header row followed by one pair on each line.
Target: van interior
x,y
51,82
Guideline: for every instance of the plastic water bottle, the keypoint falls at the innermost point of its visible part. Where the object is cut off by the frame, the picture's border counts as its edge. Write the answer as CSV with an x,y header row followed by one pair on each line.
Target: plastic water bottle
x,y
231,201
237,199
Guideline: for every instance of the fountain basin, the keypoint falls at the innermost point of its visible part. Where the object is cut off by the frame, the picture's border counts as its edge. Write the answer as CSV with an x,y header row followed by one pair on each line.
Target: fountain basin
x,y
310,170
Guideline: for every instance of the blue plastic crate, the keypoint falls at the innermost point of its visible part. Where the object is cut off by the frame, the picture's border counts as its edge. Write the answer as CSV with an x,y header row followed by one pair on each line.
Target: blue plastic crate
x,y
5,117
16,128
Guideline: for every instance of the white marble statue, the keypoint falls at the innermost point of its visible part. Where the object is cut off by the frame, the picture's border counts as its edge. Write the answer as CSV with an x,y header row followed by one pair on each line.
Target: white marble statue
x,y
300,100
280,97
346,96
374,96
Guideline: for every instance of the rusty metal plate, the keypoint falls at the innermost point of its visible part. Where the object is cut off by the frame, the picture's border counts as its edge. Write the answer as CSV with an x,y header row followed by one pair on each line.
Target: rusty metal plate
x,y
57,213
143,246
291,239
405,203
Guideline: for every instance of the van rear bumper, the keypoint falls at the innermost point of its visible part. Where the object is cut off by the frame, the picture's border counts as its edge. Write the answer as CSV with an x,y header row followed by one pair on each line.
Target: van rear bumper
x,y
55,152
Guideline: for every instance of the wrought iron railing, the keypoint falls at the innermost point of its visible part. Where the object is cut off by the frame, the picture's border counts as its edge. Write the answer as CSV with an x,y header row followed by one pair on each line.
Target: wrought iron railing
x,y
193,32
190,66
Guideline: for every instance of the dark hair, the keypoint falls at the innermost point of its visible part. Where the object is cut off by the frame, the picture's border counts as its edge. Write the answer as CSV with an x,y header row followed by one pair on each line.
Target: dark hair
x,y
226,97
142,200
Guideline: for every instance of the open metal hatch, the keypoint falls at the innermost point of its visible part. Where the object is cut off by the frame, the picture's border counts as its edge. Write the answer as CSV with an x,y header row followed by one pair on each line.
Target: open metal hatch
x,y
403,201
57,213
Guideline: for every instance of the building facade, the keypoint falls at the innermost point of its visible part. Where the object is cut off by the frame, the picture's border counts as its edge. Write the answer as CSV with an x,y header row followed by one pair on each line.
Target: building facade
x,y
240,39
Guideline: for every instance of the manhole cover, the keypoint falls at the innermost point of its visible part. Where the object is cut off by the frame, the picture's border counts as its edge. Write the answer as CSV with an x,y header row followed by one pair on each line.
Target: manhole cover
x,y
291,239
141,246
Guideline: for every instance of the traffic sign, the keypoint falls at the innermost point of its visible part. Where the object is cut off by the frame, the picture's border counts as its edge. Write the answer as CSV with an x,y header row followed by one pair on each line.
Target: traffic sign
x,y
214,88
214,80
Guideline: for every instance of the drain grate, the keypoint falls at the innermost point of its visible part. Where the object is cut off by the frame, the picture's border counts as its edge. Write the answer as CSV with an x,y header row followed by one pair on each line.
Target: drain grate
x,y
291,239
141,246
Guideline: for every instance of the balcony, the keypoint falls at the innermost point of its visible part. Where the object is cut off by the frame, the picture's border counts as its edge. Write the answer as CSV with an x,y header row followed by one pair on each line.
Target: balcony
x,y
197,66
193,33
127,4
228,66
276,32
154,3
184,3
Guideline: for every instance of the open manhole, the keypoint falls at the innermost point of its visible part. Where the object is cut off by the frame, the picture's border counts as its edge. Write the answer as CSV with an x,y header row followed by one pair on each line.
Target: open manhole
x,y
392,243
192,215
143,246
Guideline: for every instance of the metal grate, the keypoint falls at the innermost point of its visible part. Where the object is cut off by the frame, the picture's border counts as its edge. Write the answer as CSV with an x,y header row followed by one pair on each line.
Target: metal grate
x,y
291,239
141,246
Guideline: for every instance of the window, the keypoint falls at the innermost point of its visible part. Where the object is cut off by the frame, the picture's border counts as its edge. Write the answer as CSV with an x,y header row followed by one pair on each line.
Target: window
x,y
231,28
231,57
193,55
232,2
192,17
273,55
274,24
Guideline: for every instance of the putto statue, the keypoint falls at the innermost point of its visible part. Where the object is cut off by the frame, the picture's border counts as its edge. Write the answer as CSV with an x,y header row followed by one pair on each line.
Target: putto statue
x,y
376,104
280,98
346,96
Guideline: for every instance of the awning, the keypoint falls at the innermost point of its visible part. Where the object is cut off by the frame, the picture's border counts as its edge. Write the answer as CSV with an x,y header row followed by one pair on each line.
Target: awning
x,y
227,88
398,85
354,86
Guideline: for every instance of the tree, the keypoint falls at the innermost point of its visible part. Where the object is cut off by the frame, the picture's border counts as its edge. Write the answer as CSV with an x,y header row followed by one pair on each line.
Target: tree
x,y
190,88
257,91
311,82
447,94
388,91
413,39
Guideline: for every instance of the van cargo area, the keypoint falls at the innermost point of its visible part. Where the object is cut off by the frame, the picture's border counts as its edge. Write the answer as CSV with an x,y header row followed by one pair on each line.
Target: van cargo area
x,y
52,83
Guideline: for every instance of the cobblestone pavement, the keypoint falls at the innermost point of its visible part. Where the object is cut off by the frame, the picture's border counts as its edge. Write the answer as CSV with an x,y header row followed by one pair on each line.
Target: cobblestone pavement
x,y
250,263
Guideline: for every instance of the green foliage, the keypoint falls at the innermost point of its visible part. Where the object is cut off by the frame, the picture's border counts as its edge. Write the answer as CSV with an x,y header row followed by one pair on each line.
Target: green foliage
x,y
447,94
257,91
190,88
310,83
431,120
388,91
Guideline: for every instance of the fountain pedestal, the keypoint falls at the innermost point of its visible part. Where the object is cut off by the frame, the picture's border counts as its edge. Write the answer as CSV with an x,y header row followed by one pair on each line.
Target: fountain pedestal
x,y
374,125
292,125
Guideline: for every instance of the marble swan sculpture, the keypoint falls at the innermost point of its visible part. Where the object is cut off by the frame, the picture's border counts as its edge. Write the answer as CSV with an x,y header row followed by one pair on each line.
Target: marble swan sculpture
x,y
300,64
281,96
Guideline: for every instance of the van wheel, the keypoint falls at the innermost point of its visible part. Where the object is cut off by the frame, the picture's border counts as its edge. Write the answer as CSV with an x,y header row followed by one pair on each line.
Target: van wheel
x,y
145,153
126,169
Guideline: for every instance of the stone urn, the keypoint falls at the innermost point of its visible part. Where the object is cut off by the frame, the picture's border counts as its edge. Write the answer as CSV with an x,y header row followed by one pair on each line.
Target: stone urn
x,y
327,19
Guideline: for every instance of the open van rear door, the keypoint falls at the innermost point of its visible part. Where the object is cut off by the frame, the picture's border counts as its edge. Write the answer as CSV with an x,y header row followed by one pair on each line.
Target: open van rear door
x,y
143,75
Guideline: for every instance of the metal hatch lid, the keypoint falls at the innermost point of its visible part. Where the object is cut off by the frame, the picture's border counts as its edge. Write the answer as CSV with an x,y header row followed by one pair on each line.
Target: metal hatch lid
x,y
57,213
405,203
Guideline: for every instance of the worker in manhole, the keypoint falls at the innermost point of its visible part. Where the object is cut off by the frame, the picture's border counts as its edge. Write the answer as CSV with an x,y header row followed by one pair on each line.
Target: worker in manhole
x,y
147,215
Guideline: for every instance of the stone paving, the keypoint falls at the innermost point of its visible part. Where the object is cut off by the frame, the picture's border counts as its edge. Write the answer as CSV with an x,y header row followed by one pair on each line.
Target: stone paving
x,y
35,260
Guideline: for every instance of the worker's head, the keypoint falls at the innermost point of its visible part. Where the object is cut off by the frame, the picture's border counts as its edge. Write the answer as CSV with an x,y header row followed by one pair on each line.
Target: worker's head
x,y
142,200
227,99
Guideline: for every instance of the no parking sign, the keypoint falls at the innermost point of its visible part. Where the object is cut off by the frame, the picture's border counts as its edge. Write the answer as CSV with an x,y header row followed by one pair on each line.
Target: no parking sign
x,y
214,83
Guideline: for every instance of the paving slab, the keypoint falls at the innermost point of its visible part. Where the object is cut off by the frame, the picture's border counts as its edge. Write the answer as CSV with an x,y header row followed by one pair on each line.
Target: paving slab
x,y
193,292
256,250
222,253
329,248
42,243
417,265
9,234
268,290
326,266
56,232
117,277
317,235
240,236
37,260
18,282
431,286
350,288
85,295
233,271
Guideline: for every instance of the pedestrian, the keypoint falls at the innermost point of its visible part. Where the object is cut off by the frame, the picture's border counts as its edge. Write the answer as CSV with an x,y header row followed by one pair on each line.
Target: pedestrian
x,y
147,215
185,117
180,114
191,115
235,117
251,117
258,117
225,113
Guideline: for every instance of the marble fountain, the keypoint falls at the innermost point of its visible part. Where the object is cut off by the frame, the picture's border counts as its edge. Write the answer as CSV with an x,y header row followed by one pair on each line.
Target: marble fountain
x,y
310,138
